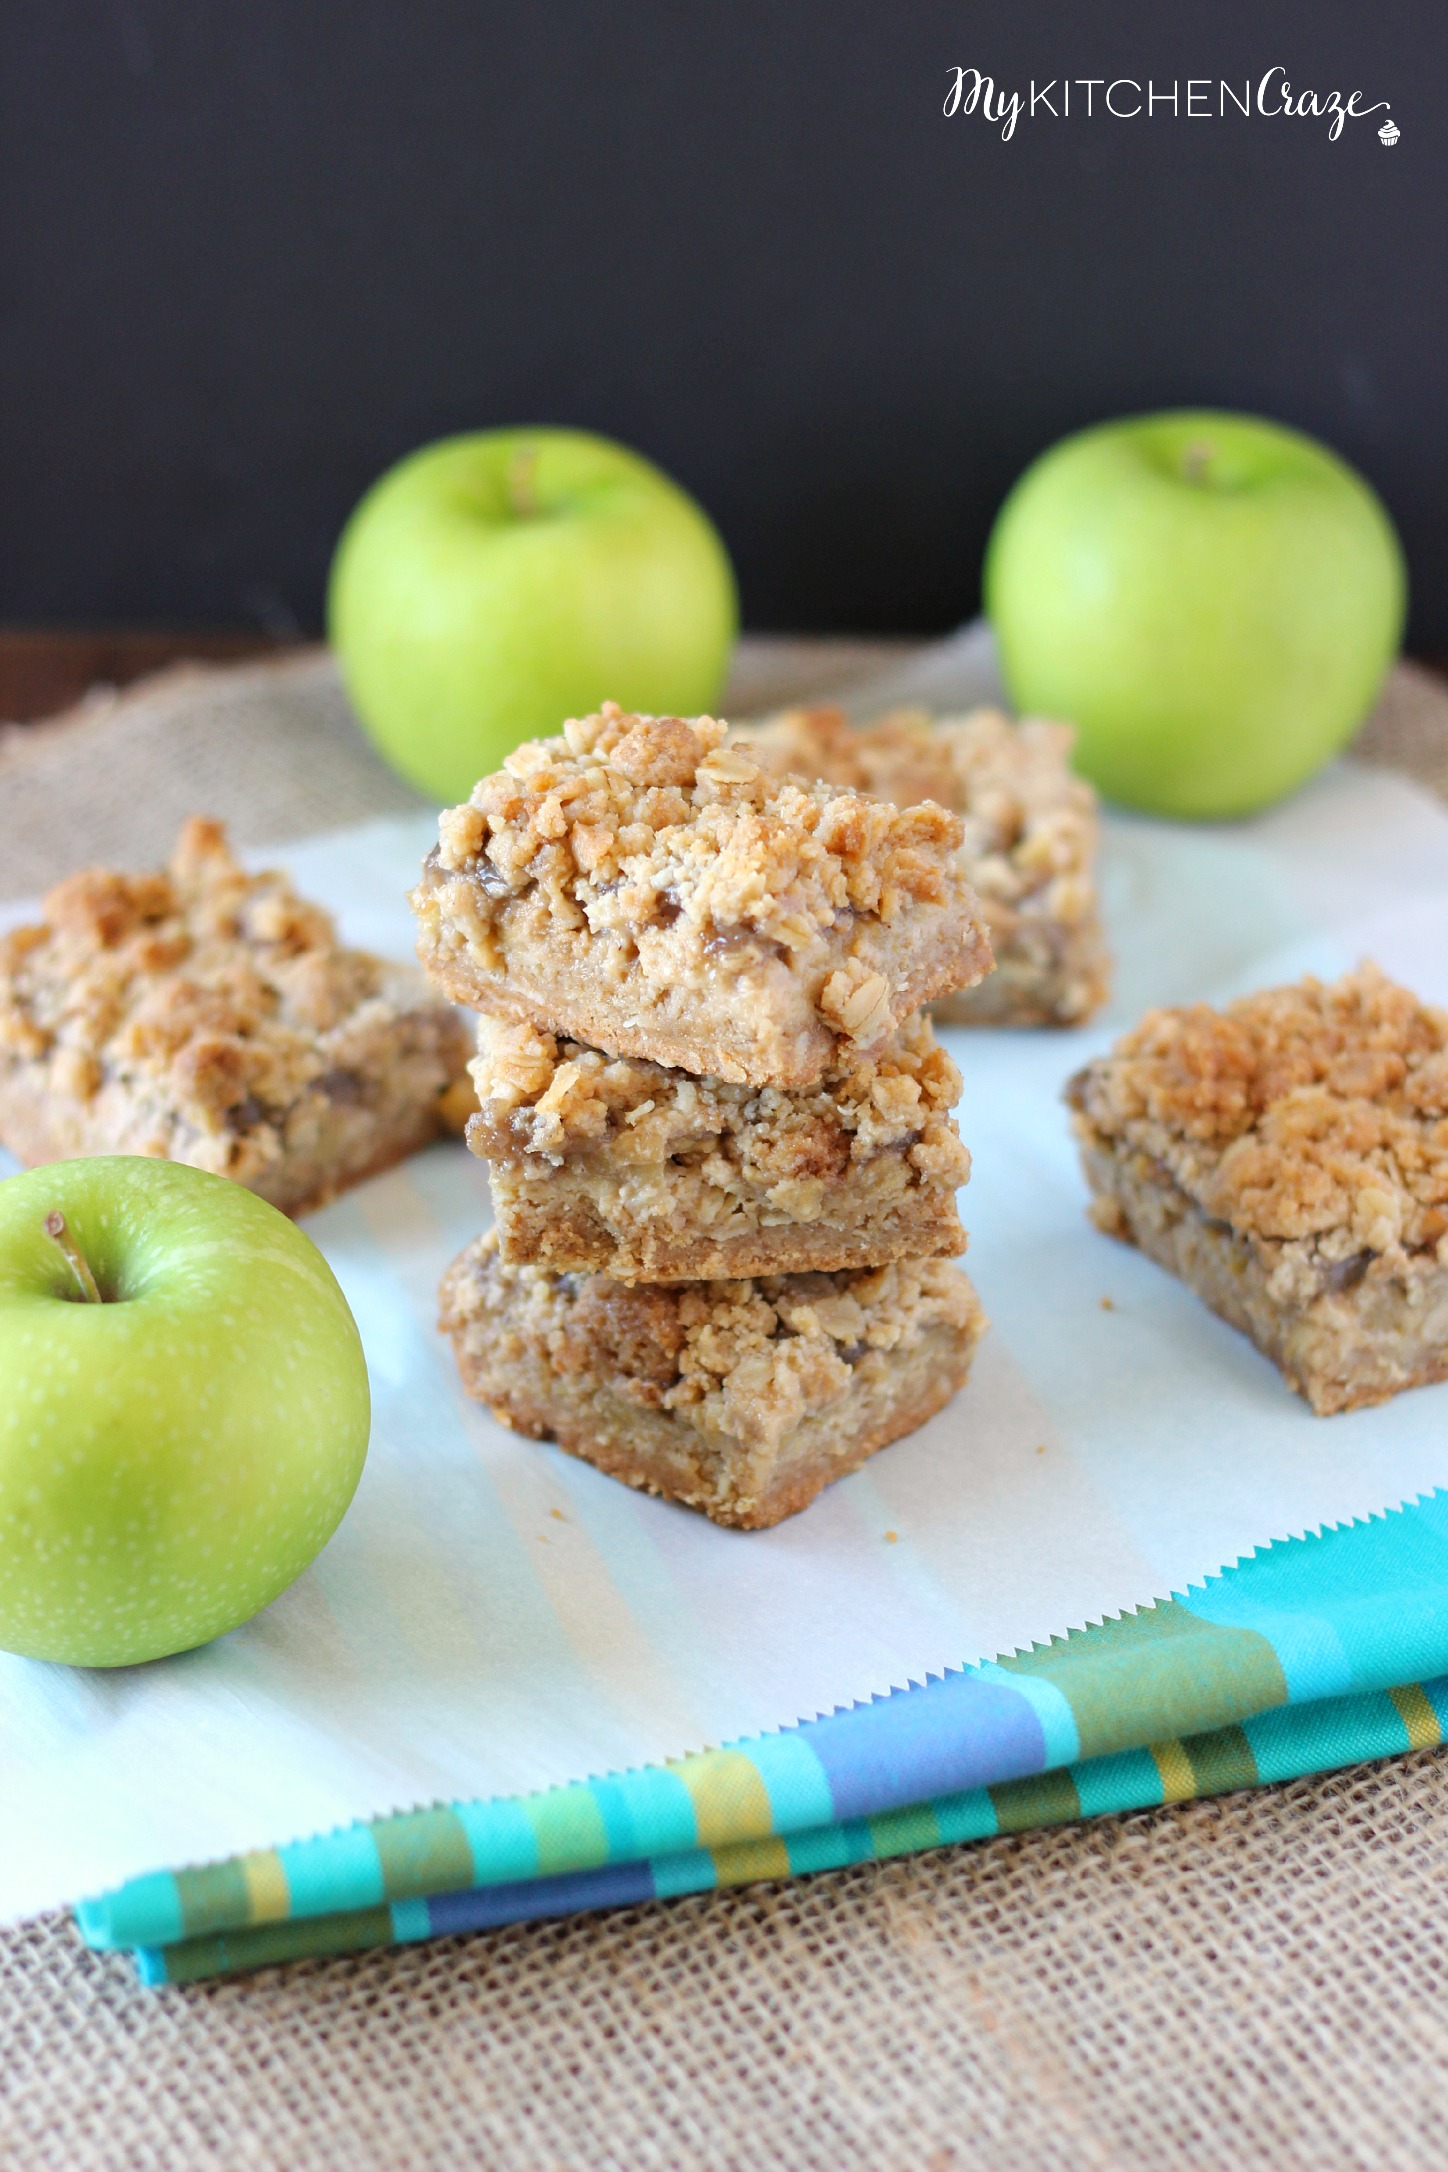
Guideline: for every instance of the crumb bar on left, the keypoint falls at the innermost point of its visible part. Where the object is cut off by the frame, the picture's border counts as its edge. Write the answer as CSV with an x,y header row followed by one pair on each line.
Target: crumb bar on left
x,y
203,1015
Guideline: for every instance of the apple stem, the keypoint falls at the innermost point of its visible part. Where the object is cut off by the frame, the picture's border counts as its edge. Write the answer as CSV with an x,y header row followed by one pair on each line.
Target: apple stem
x,y
522,471
75,1259
1196,459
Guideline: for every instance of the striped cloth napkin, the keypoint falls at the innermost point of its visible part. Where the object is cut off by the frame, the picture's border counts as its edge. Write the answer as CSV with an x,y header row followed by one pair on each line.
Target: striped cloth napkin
x,y
1313,1653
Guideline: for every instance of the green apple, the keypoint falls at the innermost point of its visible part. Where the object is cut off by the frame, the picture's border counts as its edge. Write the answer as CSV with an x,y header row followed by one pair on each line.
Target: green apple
x,y
1211,599
183,1408
490,586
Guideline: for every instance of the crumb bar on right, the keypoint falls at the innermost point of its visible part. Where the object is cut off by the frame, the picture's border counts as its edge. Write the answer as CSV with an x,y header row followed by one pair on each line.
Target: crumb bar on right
x,y
615,1165
740,1398
1287,1157
636,885
1028,849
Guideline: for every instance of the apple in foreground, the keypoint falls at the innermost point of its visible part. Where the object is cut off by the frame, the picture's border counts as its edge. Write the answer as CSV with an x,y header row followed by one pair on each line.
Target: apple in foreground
x,y
492,585
183,1408
1211,599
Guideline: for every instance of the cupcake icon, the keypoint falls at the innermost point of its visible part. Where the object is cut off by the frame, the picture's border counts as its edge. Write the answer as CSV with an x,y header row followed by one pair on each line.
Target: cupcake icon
x,y
1389,132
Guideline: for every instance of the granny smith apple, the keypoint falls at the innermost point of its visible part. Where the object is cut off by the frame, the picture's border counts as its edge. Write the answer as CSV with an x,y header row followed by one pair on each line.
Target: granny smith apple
x,y
183,1408
492,585
1211,599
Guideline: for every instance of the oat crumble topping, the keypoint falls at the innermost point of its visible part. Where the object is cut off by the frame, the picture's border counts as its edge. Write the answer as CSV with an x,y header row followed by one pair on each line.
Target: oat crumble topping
x,y
1028,823
628,819
643,885
1311,1119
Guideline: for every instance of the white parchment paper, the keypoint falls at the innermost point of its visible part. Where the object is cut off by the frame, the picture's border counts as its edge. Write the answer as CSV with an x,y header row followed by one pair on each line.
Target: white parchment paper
x,y
494,1617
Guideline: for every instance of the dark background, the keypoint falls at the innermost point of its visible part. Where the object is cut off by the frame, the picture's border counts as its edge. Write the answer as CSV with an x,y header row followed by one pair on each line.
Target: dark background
x,y
252,252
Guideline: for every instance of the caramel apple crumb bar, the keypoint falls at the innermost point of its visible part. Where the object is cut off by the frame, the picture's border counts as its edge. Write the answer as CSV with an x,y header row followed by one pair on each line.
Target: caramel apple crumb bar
x,y
620,1166
1028,850
204,1015
1287,1157
637,885
740,1398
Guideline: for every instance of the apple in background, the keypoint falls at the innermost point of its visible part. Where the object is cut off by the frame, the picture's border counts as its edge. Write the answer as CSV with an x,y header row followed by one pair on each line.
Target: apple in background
x,y
184,1408
490,586
1211,599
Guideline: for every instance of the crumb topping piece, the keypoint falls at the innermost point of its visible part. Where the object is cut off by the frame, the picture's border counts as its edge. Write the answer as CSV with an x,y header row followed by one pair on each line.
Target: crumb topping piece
x,y
1315,1115
1028,825
627,821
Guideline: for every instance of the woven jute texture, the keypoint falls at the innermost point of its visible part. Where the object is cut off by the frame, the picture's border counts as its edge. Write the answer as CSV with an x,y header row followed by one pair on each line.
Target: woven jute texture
x,y
1256,1982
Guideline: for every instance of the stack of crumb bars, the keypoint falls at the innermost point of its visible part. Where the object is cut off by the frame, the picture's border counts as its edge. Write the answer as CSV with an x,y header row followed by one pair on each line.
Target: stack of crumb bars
x,y
715,1116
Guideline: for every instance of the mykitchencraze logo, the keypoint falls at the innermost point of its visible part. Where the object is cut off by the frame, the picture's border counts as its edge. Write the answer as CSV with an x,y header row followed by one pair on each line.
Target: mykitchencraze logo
x,y
1192,98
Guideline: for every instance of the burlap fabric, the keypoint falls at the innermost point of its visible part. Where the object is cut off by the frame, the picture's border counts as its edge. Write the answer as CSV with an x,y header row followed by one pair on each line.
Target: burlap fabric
x,y
1256,1982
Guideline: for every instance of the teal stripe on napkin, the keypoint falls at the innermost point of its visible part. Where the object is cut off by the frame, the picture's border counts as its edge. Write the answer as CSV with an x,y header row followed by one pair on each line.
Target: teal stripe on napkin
x,y
1277,1746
